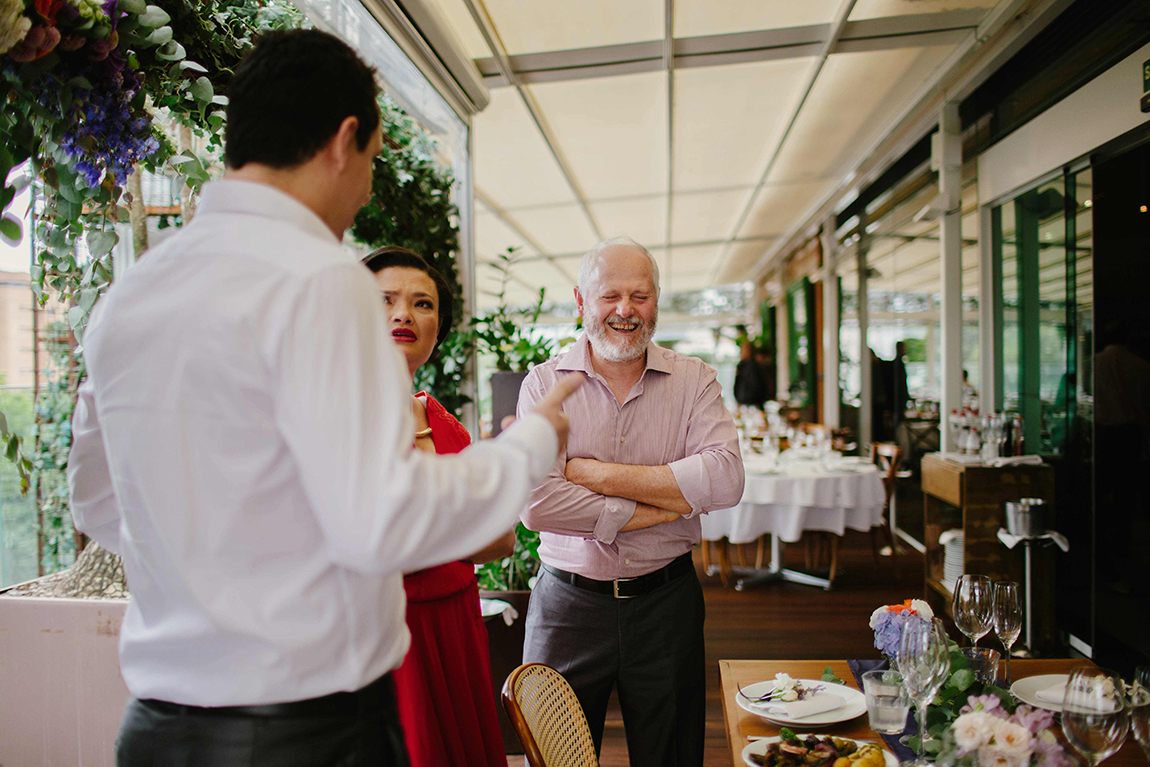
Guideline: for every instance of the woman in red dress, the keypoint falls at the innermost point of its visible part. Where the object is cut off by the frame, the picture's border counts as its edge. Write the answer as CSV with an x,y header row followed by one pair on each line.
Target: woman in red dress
x,y
444,686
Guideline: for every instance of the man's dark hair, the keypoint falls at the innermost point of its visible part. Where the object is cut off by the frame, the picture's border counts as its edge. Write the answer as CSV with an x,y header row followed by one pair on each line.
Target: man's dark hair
x,y
393,255
289,96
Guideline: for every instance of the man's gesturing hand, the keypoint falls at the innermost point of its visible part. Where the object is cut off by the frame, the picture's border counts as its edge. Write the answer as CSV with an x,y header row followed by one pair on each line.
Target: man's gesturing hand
x,y
550,407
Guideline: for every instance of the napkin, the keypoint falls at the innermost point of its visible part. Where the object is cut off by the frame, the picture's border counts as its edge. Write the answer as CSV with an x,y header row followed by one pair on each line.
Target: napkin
x,y
800,709
1052,694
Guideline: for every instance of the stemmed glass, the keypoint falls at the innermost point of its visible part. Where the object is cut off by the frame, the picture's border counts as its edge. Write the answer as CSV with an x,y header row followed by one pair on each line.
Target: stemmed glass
x,y
1095,716
924,662
973,606
1007,617
1140,708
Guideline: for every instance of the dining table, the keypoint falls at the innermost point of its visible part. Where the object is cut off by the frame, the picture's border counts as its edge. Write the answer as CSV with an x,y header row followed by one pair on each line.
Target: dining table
x,y
742,726
786,496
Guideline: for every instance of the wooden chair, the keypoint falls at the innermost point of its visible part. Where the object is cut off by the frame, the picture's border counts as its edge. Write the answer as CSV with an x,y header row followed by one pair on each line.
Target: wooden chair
x,y
548,718
887,456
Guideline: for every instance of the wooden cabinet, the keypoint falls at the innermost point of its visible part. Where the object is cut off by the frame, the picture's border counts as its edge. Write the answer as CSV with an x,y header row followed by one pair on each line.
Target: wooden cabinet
x,y
971,497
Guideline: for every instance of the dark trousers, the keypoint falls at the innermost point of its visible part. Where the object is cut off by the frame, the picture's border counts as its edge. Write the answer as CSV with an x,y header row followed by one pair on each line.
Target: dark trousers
x,y
650,646
357,729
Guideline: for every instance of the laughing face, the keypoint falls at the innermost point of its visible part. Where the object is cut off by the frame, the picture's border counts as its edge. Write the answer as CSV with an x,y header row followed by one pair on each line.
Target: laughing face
x,y
412,305
621,307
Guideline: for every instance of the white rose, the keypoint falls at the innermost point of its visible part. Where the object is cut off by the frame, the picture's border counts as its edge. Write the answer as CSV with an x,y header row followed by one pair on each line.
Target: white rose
x,y
998,756
14,25
1013,737
973,730
922,609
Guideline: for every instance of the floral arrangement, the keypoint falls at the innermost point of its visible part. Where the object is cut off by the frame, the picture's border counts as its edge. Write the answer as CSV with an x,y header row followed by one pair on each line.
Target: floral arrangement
x,y
887,623
986,734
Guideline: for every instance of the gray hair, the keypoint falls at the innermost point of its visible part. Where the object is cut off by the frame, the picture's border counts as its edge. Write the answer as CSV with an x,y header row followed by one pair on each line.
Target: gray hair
x,y
589,266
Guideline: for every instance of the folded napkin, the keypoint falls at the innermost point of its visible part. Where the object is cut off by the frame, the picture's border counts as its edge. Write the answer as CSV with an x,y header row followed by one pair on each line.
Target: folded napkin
x,y
800,709
1017,460
1052,694
1051,535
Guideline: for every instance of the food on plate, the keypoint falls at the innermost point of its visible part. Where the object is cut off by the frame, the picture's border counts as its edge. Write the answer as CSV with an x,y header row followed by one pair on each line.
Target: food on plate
x,y
818,751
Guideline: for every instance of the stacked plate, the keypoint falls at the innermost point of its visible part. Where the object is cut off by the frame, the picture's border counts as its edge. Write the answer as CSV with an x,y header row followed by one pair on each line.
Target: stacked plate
x,y
952,557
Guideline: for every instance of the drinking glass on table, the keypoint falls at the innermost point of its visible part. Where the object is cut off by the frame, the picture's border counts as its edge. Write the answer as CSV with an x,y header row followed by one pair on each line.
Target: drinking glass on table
x,y
973,606
924,662
1007,618
1140,708
887,703
1095,716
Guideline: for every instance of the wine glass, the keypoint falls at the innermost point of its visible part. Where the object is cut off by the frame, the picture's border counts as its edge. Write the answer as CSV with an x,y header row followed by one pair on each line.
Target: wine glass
x,y
1007,617
924,662
973,606
1095,716
1140,708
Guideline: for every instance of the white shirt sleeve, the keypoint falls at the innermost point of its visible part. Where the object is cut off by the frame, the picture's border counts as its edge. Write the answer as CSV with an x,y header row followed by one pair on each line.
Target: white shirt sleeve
x,y
95,510
343,405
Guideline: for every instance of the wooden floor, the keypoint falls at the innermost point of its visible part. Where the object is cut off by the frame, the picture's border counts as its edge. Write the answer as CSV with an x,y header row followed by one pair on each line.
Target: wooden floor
x,y
786,620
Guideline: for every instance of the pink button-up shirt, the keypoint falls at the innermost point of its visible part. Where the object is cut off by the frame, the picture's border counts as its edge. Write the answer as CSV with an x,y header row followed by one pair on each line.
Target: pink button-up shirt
x,y
673,416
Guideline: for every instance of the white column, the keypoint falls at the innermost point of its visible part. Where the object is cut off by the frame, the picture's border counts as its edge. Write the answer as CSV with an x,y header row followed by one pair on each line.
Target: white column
x,y
831,395
989,354
948,155
782,347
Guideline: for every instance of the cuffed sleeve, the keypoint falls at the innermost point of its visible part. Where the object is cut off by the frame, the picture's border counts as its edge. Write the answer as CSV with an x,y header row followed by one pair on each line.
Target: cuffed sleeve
x,y
711,475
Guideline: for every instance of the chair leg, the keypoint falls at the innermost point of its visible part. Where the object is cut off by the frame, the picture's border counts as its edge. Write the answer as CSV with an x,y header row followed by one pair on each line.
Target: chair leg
x,y
759,553
834,558
706,557
742,555
724,564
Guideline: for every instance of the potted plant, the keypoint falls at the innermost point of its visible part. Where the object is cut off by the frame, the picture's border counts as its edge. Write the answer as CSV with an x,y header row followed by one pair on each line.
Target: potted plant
x,y
506,334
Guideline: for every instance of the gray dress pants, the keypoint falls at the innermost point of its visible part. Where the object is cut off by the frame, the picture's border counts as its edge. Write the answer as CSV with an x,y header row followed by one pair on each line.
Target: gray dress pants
x,y
651,646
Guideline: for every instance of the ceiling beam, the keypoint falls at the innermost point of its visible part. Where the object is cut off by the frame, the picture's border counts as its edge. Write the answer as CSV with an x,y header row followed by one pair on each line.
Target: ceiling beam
x,y
514,226
652,248
912,30
829,44
490,34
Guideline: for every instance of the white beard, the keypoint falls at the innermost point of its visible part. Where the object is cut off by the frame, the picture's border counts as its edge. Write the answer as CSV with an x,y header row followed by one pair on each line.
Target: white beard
x,y
625,350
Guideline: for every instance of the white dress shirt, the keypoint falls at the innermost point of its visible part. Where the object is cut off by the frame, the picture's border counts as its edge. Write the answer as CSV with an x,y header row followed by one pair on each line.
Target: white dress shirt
x,y
244,441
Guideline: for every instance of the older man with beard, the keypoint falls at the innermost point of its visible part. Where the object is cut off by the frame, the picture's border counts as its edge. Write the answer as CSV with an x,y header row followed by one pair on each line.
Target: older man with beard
x,y
651,447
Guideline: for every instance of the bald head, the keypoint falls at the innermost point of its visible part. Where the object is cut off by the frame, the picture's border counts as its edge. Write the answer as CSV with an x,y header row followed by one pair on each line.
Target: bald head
x,y
605,255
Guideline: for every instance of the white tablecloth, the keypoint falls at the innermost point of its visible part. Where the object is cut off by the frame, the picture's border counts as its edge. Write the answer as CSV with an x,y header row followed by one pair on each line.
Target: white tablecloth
x,y
804,497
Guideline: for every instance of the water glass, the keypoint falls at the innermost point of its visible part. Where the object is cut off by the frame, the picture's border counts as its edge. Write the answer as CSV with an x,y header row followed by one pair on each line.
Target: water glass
x,y
1095,716
887,703
1007,617
1140,708
983,662
973,606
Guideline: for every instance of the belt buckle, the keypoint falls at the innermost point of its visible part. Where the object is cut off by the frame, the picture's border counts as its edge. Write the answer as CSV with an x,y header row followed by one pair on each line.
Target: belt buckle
x,y
615,584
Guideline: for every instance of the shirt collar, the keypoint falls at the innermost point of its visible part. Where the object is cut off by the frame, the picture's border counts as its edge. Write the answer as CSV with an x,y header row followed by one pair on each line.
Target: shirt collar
x,y
252,198
579,357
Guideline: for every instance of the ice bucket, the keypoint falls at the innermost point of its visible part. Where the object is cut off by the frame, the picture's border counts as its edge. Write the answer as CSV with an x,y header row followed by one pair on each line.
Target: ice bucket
x,y
1026,517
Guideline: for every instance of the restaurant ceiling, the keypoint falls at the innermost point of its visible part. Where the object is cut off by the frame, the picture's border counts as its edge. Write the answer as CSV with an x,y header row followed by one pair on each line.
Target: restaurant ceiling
x,y
747,131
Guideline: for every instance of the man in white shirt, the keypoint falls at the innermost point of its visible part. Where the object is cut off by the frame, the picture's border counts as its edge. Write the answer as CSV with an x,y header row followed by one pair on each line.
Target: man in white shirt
x,y
244,442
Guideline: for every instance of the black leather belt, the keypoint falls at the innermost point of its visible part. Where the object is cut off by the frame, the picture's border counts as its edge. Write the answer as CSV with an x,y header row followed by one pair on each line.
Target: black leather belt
x,y
380,693
626,588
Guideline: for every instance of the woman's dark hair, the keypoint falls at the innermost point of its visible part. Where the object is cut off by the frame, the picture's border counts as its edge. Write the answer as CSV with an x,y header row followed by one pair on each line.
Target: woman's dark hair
x,y
393,255
291,93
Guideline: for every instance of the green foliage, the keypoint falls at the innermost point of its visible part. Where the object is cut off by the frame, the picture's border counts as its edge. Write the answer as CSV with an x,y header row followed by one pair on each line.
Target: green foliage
x,y
959,686
411,207
915,349
507,333
516,572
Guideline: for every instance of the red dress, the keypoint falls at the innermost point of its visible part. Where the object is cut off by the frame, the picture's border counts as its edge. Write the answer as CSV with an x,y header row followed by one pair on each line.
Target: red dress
x,y
446,700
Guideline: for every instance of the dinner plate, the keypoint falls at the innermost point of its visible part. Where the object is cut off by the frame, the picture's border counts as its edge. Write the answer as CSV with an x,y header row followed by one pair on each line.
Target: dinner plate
x,y
759,748
1026,690
854,704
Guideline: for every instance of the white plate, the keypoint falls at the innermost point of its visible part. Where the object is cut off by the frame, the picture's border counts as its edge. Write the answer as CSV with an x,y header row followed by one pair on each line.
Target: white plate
x,y
1026,690
854,704
759,748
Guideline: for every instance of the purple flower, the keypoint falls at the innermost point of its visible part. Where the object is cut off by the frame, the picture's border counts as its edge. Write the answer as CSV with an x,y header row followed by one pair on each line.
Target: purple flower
x,y
988,704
